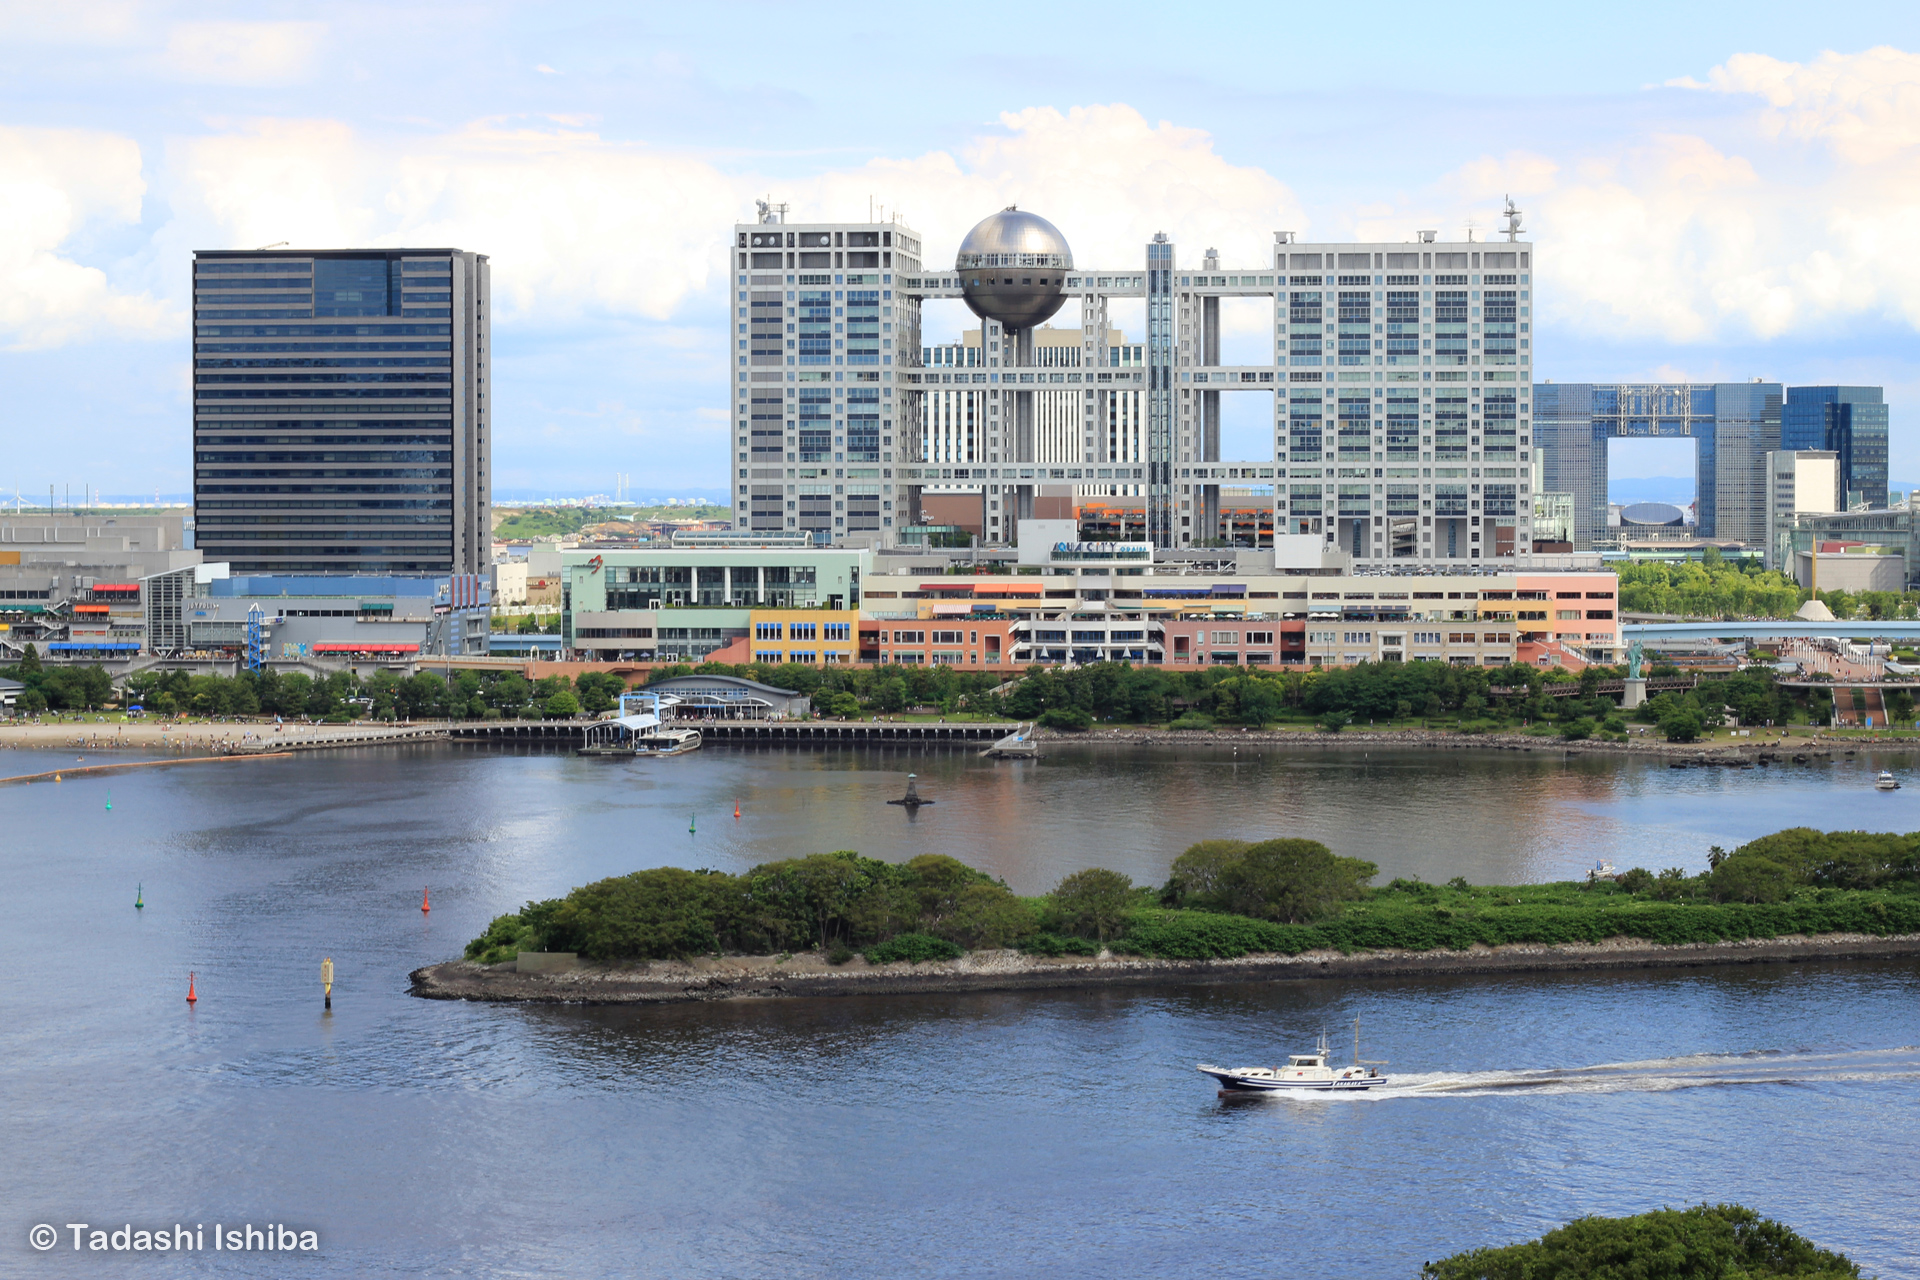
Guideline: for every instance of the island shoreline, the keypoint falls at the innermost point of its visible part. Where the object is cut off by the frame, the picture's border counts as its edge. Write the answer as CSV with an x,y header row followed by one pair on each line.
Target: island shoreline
x,y
734,978
222,739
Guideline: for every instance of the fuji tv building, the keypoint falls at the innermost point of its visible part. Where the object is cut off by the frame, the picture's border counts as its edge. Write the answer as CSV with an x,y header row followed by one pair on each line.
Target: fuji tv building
x,y
1397,388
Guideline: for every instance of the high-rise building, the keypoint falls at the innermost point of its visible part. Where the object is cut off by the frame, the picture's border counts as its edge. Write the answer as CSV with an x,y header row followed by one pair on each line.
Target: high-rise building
x,y
341,417
1394,387
1397,387
1733,426
819,335
1799,482
1849,421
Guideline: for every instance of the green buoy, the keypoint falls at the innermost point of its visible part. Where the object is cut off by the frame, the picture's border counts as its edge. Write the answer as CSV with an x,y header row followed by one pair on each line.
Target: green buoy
x,y
109,801
139,898
690,818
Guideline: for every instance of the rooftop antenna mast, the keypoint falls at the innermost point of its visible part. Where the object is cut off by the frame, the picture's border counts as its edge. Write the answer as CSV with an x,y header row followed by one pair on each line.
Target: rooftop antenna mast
x,y
277,244
1513,227
771,212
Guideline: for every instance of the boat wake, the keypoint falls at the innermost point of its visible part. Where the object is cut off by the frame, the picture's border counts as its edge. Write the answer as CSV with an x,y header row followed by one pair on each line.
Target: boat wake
x,y
1659,1075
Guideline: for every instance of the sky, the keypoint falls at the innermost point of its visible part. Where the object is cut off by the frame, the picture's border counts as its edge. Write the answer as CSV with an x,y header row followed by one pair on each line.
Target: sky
x,y
1716,192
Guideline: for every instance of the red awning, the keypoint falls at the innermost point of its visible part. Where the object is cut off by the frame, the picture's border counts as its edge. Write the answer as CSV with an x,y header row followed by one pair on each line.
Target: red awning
x,y
90,608
115,586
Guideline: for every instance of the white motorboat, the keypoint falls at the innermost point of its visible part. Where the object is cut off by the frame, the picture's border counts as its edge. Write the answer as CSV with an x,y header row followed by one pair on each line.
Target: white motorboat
x,y
1886,782
1304,1073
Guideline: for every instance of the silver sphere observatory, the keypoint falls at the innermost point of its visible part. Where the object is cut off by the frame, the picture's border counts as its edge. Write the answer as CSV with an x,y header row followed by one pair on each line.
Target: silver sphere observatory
x,y
1013,268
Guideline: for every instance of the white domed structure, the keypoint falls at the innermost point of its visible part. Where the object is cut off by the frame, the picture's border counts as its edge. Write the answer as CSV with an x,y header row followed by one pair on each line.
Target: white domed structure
x,y
1013,268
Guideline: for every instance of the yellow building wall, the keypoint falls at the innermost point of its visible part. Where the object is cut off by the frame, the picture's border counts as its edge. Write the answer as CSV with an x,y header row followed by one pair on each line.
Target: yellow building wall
x,y
787,649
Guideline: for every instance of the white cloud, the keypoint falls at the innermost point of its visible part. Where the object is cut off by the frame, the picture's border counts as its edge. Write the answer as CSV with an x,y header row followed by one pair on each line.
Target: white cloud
x,y
54,183
1793,222
1105,176
575,222
1866,106
242,53
1801,223
570,220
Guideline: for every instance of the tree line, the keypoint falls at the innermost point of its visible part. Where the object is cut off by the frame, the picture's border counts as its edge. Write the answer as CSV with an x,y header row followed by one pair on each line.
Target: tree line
x,y
384,695
1222,898
57,688
1717,588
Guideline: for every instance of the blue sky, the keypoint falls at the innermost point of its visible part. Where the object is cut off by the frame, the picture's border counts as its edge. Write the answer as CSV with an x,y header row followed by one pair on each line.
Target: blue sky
x,y
1717,191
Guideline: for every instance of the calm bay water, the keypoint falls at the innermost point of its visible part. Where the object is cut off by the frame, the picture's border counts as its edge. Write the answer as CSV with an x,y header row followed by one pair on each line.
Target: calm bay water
x,y
988,1135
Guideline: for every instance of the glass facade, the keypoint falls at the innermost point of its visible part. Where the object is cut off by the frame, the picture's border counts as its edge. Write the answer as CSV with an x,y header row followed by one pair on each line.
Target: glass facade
x,y
340,422
1850,421
1732,425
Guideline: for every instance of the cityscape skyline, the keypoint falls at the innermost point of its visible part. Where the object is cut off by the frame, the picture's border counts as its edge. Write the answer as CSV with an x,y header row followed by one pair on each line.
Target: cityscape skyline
x,y
1788,159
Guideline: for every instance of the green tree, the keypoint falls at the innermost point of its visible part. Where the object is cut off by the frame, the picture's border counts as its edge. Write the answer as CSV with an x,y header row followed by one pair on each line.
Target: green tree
x,y
1292,881
561,705
30,661
1095,900
1707,1242
1749,878
891,694
1196,878
1681,724
665,913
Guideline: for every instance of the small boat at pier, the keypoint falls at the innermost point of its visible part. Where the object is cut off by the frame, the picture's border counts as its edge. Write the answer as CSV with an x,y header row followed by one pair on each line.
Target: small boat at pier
x,y
1304,1073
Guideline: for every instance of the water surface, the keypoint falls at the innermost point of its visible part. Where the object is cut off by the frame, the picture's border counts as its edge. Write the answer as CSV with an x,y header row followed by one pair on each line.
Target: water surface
x,y
984,1135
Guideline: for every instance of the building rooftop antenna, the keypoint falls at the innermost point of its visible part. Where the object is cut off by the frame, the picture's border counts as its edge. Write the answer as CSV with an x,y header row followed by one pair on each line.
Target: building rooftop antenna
x,y
1513,227
771,212
275,245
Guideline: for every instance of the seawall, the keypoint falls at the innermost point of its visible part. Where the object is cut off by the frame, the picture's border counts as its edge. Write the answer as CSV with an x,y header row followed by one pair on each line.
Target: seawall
x,y
808,975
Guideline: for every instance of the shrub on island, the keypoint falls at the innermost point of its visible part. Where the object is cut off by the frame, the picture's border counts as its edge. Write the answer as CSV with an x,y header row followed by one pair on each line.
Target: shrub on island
x,y
1224,898
826,900
1704,1241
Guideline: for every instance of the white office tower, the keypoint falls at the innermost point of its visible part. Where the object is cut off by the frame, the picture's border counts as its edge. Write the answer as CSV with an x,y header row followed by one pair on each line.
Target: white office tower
x,y
1799,482
1398,388
820,334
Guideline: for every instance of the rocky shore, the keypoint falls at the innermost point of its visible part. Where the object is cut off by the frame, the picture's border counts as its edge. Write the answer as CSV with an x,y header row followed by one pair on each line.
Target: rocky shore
x,y
807,974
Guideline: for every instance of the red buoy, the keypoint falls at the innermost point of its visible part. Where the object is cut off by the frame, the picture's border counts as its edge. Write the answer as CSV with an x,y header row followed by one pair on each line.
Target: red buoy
x,y
736,808
191,998
425,906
